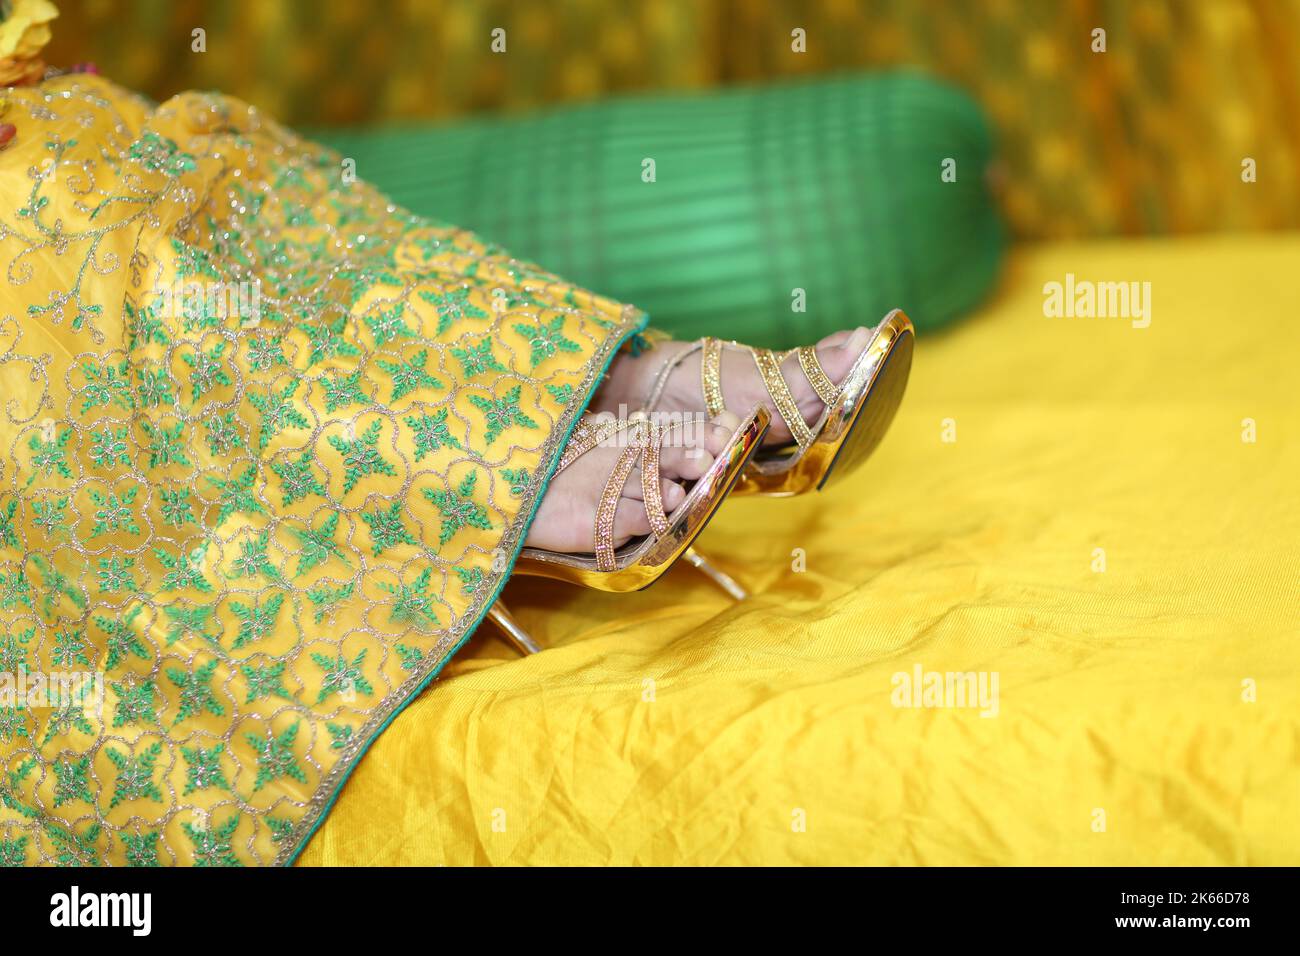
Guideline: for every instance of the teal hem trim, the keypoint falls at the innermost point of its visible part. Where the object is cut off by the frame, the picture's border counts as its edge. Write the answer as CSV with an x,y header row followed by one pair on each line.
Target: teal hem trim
x,y
470,631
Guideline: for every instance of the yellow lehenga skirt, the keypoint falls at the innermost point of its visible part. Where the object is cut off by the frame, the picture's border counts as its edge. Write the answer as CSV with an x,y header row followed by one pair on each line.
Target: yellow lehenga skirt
x,y
270,447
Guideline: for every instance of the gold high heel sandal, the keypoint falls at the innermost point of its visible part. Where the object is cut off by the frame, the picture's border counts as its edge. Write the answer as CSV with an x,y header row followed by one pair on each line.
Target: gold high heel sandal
x,y
856,416
639,563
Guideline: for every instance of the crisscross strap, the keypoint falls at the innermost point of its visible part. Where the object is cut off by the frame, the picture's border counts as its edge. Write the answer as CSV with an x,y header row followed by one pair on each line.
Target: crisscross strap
x,y
826,390
769,367
644,439
711,376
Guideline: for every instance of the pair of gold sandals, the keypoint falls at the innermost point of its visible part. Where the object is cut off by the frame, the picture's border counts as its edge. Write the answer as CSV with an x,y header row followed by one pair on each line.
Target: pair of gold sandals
x,y
854,418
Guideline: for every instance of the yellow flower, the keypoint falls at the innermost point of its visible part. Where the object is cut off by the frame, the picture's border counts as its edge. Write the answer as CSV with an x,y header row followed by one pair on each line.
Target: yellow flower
x,y
23,34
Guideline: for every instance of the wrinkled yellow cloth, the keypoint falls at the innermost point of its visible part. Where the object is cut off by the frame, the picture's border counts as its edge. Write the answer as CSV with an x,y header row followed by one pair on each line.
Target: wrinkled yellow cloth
x,y
1147,713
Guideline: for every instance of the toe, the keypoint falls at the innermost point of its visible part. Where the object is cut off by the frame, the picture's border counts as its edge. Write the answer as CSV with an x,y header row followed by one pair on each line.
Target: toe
x,y
630,521
834,340
684,453
672,494
719,433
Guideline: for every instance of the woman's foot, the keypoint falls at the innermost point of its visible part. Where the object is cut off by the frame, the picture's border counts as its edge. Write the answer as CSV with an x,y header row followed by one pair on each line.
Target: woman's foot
x,y
568,509
632,379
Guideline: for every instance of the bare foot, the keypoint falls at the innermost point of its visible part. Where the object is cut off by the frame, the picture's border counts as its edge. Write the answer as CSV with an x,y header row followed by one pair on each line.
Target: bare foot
x,y
631,380
568,510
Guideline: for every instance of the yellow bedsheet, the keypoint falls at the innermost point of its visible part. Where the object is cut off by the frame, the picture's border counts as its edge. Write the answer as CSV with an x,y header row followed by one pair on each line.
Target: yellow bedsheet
x,y
1148,713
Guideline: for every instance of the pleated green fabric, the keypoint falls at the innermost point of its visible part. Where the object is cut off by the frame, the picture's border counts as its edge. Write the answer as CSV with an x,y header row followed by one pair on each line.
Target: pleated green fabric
x,y
833,187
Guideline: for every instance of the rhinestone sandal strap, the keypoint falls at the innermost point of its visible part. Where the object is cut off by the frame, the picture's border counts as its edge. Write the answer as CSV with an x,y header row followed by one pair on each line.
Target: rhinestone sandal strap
x,y
817,376
587,434
769,367
651,493
603,532
711,376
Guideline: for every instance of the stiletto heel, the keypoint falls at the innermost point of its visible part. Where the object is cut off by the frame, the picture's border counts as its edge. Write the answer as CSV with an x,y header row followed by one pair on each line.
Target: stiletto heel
x,y
517,636
719,577
856,416
640,563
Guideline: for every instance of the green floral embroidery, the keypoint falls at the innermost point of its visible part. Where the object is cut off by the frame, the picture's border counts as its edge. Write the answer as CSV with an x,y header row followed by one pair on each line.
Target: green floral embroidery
x,y
212,847
265,353
155,389
253,560
237,495
342,735
410,375
183,570
107,385
502,412
203,769
452,307
13,651
13,723
297,480
477,359
166,446
342,677
326,599
411,656
196,693
114,513
387,326
458,508
159,154
206,370
69,649
70,781
56,585
108,447
188,622
317,545
8,537
223,434
15,591
518,478
49,458
51,516
470,579
73,850
176,506
414,602
255,620
115,574
141,849
275,757
71,716
134,704
546,340
278,413
144,326
264,680
386,528
327,341
135,774
193,261
342,391
281,830
361,456
13,852
122,638
431,432
561,393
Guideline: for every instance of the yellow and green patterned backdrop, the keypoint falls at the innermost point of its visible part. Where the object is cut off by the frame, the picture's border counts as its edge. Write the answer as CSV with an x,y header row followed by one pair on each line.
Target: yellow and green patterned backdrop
x,y
1147,137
